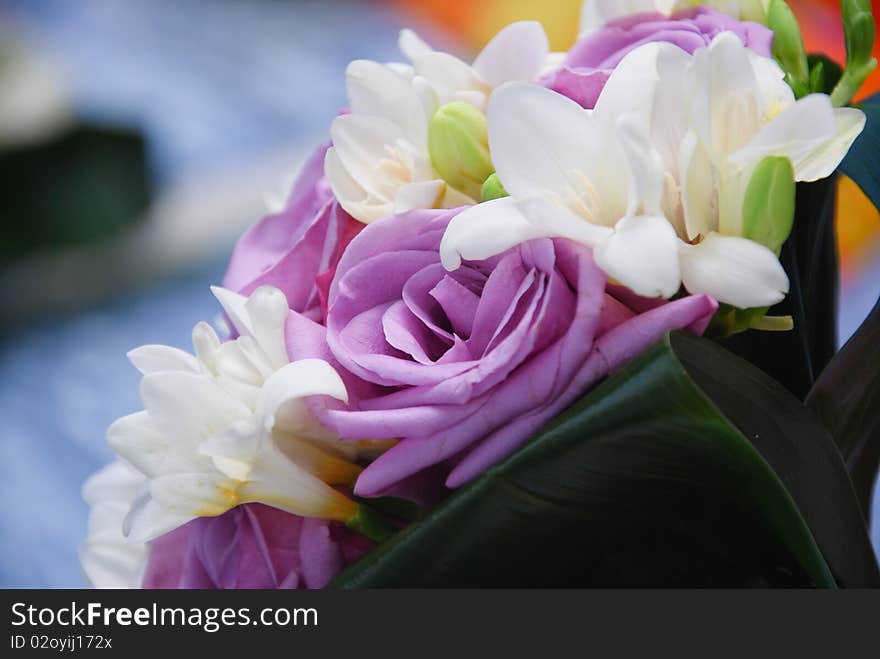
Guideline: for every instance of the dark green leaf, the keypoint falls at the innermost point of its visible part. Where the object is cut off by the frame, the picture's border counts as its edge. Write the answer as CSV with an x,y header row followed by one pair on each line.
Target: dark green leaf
x,y
847,399
647,482
809,256
862,163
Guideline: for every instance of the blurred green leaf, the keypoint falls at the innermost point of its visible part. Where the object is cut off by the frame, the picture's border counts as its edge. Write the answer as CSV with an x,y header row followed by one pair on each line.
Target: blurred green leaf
x,y
81,186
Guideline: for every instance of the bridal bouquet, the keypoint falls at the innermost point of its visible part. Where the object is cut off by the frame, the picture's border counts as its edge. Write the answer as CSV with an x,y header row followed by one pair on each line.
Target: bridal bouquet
x,y
541,319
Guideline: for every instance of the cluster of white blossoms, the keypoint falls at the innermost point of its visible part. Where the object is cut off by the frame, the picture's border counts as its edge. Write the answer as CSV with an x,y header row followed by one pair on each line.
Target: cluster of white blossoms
x,y
380,162
225,426
655,177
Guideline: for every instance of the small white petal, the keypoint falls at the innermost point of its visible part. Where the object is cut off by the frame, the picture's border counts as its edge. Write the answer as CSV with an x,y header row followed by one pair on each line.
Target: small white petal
x,y
733,270
136,439
351,196
376,90
412,45
821,162
197,494
108,560
234,306
268,311
154,358
280,400
423,194
447,72
642,254
189,407
148,519
799,131
645,170
544,144
698,188
517,52
557,221
723,94
485,230
361,143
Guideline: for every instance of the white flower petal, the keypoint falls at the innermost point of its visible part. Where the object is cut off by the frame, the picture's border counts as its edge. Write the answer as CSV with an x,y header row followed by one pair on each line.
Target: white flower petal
x,y
361,143
558,222
733,270
148,519
698,188
724,104
485,230
268,312
642,254
821,161
189,407
543,144
195,494
107,558
277,481
517,52
234,306
423,194
800,130
351,196
281,398
412,45
136,439
645,170
154,358
636,80
447,73
376,90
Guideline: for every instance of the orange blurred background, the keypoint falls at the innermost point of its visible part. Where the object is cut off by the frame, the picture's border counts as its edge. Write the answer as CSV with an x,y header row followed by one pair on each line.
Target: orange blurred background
x,y
474,23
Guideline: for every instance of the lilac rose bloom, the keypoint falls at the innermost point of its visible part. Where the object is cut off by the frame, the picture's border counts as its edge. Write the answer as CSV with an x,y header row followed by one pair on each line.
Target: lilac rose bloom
x,y
589,63
253,546
465,366
296,250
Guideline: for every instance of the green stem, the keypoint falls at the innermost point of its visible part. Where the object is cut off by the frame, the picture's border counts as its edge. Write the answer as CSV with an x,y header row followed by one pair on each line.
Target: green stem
x,y
849,83
370,524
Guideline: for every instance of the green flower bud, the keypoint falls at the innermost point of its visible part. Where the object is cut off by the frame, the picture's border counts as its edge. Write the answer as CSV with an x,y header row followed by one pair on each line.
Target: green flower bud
x,y
858,32
788,45
768,206
492,188
459,146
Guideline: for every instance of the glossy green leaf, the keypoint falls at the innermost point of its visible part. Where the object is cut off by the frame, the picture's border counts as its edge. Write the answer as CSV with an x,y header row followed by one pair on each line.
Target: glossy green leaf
x,y
862,163
689,467
847,399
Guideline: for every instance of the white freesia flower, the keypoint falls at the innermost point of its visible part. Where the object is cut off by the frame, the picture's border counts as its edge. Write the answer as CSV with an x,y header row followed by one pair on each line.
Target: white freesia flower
x,y
596,13
230,425
108,559
654,177
379,163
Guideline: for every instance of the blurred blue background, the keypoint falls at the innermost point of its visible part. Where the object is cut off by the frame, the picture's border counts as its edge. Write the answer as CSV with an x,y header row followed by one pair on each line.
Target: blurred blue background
x,y
229,95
